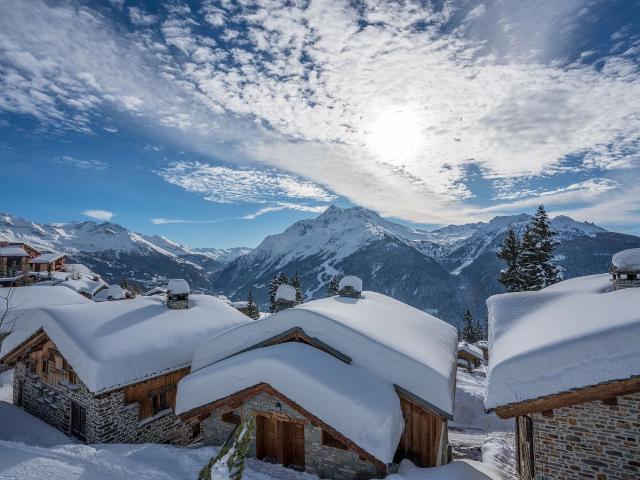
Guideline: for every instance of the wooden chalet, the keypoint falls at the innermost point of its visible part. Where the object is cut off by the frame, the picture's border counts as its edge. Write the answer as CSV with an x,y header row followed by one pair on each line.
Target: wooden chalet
x,y
14,262
48,262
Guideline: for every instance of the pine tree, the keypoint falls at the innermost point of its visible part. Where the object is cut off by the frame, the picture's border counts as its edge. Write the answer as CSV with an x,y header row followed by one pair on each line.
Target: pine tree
x,y
228,464
548,272
530,271
469,333
295,283
510,252
252,308
332,287
277,280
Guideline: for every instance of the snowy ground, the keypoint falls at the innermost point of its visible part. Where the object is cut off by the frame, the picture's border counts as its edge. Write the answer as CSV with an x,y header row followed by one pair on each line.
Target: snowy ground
x,y
31,449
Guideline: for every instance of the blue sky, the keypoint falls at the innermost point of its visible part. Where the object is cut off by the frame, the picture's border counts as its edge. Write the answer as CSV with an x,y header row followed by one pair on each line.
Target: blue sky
x,y
216,123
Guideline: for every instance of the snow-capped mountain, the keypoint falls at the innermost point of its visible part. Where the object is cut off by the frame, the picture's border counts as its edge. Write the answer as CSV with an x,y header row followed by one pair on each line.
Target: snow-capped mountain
x,y
445,270
116,252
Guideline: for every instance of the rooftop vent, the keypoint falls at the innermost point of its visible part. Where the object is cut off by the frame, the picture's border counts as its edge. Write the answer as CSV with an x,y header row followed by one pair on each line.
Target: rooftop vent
x,y
285,297
178,294
350,286
625,269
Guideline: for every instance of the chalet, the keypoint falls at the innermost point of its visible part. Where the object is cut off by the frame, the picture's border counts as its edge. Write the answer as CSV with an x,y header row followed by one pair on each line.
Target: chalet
x,y
107,372
484,346
625,269
285,297
14,262
48,262
565,364
342,387
469,354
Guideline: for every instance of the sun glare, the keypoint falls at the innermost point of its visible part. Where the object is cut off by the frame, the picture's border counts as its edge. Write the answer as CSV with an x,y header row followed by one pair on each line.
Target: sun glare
x,y
394,135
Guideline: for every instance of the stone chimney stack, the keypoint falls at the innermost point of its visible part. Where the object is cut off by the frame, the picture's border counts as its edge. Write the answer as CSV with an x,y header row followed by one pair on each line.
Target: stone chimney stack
x,y
625,269
285,297
350,286
178,294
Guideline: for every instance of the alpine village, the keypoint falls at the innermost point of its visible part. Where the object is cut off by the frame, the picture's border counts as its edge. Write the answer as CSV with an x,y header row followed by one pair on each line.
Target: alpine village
x,y
353,386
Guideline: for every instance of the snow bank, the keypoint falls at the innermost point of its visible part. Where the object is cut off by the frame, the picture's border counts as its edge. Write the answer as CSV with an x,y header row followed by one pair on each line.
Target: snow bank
x,y
6,386
357,404
112,344
24,301
20,426
456,470
573,334
395,341
286,292
351,281
627,259
178,286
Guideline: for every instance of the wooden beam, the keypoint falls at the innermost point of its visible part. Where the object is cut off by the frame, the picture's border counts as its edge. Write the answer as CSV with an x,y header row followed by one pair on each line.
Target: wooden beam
x,y
602,391
266,388
18,352
407,395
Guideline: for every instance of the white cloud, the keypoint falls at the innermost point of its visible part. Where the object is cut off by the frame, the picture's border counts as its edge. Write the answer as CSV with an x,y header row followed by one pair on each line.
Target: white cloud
x,y
285,206
81,163
102,215
139,17
229,185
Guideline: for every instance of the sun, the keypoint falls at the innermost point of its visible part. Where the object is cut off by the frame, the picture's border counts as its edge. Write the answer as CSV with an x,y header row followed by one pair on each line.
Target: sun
x,y
394,135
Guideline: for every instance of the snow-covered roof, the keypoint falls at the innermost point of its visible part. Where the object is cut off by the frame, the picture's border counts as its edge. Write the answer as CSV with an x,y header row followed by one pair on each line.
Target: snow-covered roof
x,y
470,349
12,251
114,292
77,268
24,301
351,281
482,344
627,259
178,286
84,284
112,344
48,257
286,292
573,334
356,403
395,341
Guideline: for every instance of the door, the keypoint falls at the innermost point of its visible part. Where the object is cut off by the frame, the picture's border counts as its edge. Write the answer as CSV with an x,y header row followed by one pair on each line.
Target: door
x,y
78,421
293,445
269,445
524,451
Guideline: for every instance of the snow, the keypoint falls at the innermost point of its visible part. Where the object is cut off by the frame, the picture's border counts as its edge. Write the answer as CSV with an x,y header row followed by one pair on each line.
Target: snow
x,y
627,259
178,286
47,257
471,350
351,281
25,301
6,386
573,334
12,252
84,284
286,292
456,470
113,344
395,341
77,268
357,404
114,292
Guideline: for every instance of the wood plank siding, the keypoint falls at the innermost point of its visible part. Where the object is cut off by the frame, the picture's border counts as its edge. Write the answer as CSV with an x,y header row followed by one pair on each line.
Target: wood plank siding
x,y
421,437
163,388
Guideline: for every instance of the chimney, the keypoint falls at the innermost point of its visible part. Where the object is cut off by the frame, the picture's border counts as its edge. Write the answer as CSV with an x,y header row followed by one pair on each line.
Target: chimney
x,y
178,294
350,286
625,269
285,297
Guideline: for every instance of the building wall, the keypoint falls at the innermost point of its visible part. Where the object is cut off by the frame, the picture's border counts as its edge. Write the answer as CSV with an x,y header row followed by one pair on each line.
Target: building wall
x,y
108,418
321,460
589,441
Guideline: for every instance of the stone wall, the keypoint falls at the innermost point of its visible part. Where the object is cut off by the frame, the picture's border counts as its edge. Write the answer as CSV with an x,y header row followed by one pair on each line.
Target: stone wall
x,y
592,440
108,418
321,460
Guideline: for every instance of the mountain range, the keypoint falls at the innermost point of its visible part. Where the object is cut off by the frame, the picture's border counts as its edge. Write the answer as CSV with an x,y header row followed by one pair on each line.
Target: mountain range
x,y
444,271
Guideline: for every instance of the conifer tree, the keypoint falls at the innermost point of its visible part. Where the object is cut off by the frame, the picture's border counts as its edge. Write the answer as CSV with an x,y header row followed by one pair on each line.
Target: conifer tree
x,y
228,464
469,333
252,308
277,280
545,242
529,267
510,252
332,287
295,283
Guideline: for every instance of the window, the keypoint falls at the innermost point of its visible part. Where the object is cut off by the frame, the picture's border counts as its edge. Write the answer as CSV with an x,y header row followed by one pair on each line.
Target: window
x,y
329,440
230,417
159,402
45,365
72,378
196,430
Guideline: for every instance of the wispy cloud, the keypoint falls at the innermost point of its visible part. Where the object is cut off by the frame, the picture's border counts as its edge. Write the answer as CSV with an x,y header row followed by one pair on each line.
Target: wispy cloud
x,y
84,164
250,216
102,215
139,17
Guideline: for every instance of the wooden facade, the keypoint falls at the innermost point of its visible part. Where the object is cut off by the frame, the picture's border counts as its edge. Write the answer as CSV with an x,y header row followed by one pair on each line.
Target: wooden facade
x,y
156,394
421,438
524,448
280,440
50,365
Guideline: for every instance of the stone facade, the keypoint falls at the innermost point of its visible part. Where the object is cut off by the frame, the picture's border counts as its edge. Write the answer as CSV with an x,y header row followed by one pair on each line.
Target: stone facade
x,y
108,418
321,460
177,302
595,440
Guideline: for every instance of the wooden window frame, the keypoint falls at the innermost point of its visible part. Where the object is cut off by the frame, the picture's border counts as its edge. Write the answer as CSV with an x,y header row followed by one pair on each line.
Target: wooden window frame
x,y
329,440
230,417
161,405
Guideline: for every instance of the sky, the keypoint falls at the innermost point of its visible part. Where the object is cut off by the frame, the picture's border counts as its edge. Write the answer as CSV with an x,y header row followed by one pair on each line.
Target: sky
x,y
217,123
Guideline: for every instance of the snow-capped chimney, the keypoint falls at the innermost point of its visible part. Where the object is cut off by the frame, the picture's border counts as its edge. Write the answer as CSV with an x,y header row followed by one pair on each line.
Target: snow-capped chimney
x,y
178,294
625,269
350,286
285,297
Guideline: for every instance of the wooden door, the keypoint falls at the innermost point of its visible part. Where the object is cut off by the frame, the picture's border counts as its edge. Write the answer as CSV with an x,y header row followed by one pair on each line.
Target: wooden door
x,y
293,445
78,421
269,445
524,450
